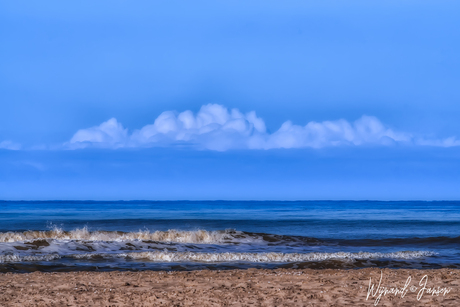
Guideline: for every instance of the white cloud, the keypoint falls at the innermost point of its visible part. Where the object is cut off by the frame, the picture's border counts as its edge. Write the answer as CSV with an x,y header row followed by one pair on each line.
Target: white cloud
x,y
109,134
215,127
366,130
9,145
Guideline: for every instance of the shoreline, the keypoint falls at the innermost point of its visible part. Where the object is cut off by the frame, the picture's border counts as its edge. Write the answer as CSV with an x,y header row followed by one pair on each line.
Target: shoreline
x,y
255,287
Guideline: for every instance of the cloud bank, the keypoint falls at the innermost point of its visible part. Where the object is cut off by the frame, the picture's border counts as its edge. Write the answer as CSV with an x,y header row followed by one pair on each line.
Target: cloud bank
x,y
215,127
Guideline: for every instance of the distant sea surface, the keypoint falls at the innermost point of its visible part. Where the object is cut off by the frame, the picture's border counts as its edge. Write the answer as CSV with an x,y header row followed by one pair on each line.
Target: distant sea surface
x,y
189,235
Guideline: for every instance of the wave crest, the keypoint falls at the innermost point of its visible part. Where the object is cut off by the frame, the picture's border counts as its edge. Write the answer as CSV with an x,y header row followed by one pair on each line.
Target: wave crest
x,y
176,236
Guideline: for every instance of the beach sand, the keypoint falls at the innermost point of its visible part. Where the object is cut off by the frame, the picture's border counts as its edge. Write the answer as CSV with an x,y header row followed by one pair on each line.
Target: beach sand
x,y
281,287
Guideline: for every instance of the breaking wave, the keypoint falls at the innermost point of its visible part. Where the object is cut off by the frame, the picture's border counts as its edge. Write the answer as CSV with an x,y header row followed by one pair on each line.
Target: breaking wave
x,y
176,236
169,236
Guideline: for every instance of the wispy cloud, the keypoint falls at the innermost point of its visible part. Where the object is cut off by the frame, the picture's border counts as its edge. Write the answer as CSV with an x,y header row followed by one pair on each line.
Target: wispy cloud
x,y
9,145
215,127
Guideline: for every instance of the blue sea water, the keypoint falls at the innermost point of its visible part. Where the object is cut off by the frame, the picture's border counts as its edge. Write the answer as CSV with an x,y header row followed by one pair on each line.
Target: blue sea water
x,y
187,235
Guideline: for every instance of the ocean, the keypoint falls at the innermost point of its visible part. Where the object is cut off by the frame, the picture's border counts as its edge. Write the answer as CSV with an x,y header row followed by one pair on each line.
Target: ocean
x,y
56,236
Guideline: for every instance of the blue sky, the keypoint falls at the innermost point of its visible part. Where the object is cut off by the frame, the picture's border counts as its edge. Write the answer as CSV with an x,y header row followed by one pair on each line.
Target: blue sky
x,y
354,100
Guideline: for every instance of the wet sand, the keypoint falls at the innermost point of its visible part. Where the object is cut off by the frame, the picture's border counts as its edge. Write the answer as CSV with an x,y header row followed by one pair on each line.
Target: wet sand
x,y
282,287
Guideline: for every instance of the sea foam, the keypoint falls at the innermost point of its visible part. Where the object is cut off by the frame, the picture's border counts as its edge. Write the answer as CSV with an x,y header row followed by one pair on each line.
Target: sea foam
x,y
160,256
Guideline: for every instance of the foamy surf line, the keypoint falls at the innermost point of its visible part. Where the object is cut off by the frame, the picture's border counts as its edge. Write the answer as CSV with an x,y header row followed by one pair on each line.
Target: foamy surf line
x,y
225,257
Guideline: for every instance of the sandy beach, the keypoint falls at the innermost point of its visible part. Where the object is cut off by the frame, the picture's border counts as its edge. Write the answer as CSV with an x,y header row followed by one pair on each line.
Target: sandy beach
x,y
281,287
